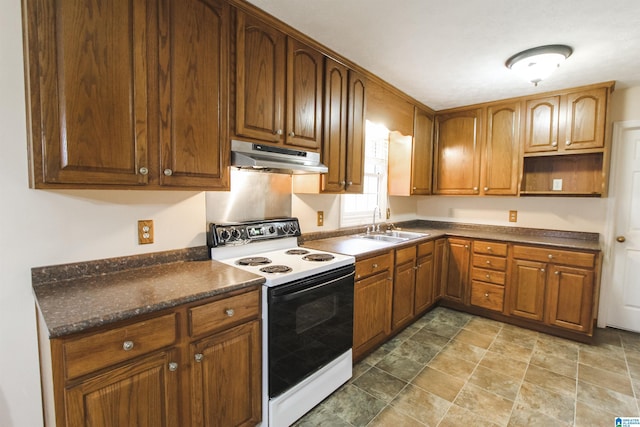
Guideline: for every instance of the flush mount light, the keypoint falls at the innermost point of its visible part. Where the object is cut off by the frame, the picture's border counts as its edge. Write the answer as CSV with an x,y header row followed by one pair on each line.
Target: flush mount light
x,y
539,62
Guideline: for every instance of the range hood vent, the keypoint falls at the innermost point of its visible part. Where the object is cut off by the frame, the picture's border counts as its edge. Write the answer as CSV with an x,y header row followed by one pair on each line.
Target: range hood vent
x,y
268,158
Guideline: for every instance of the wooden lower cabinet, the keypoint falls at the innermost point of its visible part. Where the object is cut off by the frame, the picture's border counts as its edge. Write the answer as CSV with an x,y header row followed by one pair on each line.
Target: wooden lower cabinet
x,y
528,280
159,371
425,278
570,298
457,261
404,287
372,303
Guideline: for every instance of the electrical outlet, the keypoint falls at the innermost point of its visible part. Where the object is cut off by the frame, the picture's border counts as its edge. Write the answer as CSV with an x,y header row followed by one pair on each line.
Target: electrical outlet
x,y
320,218
145,231
513,216
557,185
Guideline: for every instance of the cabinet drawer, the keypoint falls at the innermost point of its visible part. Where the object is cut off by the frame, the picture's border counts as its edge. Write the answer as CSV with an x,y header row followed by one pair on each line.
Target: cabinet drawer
x,y
556,256
91,353
491,262
491,276
405,255
489,248
487,296
374,265
221,314
425,248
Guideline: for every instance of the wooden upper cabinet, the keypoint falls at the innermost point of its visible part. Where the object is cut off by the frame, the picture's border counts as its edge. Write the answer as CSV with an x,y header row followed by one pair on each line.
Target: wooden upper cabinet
x,y
422,156
334,148
87,95
457,152
194,93
278,86
260,79
541,124
356,122
501,156
585,123
304,95
387,108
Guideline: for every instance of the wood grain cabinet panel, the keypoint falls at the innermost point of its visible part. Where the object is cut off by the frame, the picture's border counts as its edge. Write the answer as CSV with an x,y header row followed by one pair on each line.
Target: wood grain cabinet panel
x,y
404,284
422,154
501,154
356,120
541,124
457,153
456,284
334,147
487,296
425,278
372,312
527,288
570,298
586,111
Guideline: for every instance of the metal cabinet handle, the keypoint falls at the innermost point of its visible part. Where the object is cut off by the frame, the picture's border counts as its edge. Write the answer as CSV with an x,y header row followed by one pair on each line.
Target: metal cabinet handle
x,y
486,188
486,294
168,172
568,143
550,256
466,246
554,144
199,357
374,266
350,183
488,262
415,188
475,188
173,366
230,312
292,134
542,270
127,345
489,249
620,239
277,132
343,182
143,171
488,276
557,273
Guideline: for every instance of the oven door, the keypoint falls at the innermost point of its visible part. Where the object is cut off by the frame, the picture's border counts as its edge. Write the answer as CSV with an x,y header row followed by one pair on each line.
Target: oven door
x,y
310,323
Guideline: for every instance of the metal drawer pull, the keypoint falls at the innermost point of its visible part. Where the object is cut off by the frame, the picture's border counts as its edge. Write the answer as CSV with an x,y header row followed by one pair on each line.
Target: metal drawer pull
x,y
557,273
488,276
374,266
554,144
486,294
488,262
199,357
550,256
168,172
173,366
127,345
568,143
542,270
230,312
143,171
489,249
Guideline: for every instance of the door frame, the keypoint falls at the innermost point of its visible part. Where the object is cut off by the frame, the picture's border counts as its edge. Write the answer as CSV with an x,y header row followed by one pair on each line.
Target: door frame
x,y
619,128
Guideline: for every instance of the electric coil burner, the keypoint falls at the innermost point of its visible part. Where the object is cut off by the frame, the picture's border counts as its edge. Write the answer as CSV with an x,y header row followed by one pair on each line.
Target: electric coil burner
x,y
307,312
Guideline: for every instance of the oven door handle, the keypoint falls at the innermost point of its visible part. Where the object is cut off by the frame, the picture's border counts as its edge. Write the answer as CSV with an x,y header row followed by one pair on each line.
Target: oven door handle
x,y
295,294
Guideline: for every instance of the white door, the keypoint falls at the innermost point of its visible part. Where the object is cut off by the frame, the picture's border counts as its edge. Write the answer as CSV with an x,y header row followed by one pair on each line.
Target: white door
x,y
624,301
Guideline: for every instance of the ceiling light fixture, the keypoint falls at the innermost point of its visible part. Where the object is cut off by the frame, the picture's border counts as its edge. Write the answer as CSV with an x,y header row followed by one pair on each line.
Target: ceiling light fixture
x,y
539,62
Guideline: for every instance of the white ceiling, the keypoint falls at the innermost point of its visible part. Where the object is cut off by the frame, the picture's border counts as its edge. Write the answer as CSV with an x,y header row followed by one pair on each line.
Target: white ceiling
x,y
449,53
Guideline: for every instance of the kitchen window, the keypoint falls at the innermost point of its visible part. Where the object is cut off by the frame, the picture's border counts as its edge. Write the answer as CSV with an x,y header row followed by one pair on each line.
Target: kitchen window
x,y
358,209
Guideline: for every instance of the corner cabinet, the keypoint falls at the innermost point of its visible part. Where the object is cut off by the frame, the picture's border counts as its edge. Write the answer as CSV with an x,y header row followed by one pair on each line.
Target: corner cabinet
x,y
96,119
278,86
196,365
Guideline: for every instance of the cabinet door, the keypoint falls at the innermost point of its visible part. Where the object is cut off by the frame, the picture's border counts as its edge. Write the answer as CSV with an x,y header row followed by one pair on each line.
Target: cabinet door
x,y
194,76
142,393
356,117
304,95
585,119
441,265
541,124
424,283
569,298
404,280
422,156
260,79
371,312
87,92
502,150
457,154
334,147
226,378
456,284
527,286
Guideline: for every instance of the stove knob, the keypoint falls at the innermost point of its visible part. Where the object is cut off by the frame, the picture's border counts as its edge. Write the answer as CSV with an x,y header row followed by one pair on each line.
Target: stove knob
x,y
272,229
286,228
224,235
293,228
235,233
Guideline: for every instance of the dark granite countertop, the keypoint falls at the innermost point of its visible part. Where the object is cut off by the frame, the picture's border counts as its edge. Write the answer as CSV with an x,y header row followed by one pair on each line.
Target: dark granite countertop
x,y
347,243
71,302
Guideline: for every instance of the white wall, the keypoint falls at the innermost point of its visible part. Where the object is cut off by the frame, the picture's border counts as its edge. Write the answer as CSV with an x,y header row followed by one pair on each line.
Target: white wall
x,y
40,227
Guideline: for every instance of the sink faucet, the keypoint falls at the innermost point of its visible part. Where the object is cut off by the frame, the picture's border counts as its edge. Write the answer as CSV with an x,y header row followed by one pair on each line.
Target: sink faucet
x,y
373,225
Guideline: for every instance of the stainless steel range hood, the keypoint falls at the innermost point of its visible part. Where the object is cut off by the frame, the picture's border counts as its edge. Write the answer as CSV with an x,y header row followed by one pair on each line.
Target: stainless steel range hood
x,y
268,158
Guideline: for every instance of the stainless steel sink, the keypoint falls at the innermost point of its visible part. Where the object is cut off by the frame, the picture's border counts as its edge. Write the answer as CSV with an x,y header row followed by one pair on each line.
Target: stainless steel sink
x,y
405,234
384,238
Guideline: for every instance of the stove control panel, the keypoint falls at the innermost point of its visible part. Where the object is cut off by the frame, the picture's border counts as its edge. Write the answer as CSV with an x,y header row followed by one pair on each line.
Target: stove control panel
x,y
246,232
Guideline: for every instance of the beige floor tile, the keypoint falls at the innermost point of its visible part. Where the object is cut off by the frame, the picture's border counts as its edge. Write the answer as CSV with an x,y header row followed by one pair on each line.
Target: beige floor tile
x,y
551,381
514,351
425,336
484,403
608,336
524,416
495,382
557,347
516,336
632,356
483,326
567,368
439,383
457,416
474,338
604,350
446,362
506,365
606,379
391,417
606,399
634,370
421,405
380,384
464,351
590,416
538,399
604,361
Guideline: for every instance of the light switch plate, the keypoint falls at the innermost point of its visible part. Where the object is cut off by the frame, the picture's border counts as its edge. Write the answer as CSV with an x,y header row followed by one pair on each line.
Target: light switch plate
x,y
557,185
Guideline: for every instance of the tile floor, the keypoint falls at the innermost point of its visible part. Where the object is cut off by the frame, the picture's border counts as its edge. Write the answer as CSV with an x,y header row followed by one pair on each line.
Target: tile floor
x,y
456,369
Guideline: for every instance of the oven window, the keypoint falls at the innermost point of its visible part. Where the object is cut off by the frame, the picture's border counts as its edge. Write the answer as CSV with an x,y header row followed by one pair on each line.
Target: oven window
x,y
308,326
316,313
